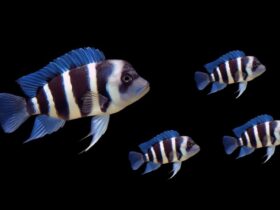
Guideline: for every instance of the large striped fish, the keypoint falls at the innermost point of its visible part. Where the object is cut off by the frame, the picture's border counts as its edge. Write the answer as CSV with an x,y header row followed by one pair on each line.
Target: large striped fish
x,y
78,84
259,132
167,147
233,67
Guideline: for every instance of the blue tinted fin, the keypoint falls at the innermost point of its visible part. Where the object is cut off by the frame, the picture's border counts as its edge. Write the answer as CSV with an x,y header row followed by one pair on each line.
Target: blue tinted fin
x,y
242,88
257,120
176,168
151,166
13,111
164,135
75,58
269,152
99,125
136,159
45,125
245,151
229,56
216,86
202,80
230,144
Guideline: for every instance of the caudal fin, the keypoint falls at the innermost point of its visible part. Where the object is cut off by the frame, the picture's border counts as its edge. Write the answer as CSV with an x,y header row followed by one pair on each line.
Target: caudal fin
x,y
202,80
13,111
136,160
230,144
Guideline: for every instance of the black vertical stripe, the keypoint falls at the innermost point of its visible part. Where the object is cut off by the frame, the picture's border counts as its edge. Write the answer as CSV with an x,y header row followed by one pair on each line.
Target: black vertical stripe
x,y
254,63
43,102
178,143
167,144
234,69
103,72
244,61
127,70
223,72
56,87
216,76
30,107
156,148
251,135
243,141
150,155
262,134
272,126
80,86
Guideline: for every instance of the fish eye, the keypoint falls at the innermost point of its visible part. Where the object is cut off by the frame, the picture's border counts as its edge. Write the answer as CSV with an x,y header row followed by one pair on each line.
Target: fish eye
x,y
256,63
190,144
127,78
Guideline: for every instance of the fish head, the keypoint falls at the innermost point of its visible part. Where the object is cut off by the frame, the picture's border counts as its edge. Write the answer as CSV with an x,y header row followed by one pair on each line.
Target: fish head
x,y
257,67
277,132
192,148
125,86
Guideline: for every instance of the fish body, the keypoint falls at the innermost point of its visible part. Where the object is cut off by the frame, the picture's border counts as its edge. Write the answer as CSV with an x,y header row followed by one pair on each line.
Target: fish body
x,y
167,147
233,67
81,83
259,132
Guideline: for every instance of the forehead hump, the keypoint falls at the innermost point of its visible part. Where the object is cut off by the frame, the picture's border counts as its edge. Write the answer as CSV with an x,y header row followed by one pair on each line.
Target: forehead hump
x,y
127,67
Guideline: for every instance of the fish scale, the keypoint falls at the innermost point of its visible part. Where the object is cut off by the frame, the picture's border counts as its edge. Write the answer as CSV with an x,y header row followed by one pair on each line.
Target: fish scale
x,y
81,83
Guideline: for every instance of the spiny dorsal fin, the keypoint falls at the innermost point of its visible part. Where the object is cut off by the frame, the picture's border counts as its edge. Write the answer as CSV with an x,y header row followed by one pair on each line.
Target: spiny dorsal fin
x,y
255,121
229,56
164,135
75,58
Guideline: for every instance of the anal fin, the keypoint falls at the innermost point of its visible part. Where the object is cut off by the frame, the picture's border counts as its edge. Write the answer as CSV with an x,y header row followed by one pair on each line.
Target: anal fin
x,y
151,166
45,125
216,86
245,151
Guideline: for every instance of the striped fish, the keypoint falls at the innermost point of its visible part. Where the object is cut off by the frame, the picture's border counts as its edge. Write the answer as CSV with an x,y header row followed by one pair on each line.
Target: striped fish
x,y
167,147
259,132
233,67
78,84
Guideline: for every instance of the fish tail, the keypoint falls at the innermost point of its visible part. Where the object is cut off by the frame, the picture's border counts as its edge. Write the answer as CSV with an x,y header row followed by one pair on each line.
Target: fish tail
x,y
202,80
230,144
136,159
13,111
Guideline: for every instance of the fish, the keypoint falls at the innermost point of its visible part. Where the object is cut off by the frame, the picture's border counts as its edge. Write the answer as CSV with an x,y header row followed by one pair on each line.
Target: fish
x,y
260,132
166,147
78,84
233,67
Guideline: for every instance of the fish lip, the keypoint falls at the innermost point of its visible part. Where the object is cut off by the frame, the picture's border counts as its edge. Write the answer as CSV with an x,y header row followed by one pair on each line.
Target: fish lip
x,y
144,90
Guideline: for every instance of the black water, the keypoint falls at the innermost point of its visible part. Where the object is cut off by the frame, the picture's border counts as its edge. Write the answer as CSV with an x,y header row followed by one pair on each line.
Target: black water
x,y
166,46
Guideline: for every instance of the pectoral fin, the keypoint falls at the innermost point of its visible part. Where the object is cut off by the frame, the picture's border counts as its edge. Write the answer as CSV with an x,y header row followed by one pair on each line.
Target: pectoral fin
x,y
91,99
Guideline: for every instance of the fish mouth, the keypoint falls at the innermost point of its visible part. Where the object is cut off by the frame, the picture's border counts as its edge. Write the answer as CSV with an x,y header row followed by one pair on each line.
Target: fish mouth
x,y
261,69
142,91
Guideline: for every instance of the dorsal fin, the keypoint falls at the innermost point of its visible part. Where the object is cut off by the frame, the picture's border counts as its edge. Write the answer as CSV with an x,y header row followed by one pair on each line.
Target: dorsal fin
x,y
73,59
231,55
257,120
164,135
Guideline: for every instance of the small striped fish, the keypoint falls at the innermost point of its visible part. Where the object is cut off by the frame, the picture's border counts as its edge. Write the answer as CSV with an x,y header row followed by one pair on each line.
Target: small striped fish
x,y
259,132
78,84
167,147
233,67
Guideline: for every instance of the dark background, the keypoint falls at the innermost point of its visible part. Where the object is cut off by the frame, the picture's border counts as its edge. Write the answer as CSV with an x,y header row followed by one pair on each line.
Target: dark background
x,y
166,44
